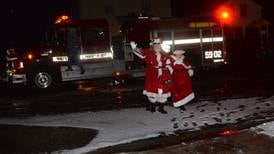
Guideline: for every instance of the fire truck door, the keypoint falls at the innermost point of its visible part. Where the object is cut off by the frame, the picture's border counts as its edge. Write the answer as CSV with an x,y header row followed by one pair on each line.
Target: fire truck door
x,y
95,56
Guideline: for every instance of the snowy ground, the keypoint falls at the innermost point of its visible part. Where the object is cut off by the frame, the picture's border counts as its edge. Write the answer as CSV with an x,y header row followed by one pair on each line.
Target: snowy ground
x,y
265,128
126,125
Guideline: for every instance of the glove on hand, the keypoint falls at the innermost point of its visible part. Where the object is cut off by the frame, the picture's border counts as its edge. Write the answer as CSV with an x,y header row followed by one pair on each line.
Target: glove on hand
x,y
190,72
133,45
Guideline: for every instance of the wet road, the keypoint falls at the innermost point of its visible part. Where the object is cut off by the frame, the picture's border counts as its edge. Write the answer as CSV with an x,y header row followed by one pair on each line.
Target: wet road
x,y
72,97
103,94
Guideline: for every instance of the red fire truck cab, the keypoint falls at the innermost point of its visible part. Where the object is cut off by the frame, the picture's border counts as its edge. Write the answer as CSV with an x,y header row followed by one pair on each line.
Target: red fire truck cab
x,y
41,68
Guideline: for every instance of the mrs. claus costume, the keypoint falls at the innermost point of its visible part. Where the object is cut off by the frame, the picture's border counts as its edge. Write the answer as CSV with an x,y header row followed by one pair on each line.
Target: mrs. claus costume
x,y
181,87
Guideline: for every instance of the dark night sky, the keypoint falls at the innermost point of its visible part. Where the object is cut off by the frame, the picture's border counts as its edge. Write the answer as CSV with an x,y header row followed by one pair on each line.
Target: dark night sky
x,y
23,22
183,8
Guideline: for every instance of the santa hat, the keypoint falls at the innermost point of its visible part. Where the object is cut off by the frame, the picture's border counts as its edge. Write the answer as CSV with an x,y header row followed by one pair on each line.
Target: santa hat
x,y
179,52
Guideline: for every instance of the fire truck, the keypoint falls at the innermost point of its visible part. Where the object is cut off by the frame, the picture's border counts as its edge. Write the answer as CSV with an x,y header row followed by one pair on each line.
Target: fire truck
x,y
203,41
102,55
43,67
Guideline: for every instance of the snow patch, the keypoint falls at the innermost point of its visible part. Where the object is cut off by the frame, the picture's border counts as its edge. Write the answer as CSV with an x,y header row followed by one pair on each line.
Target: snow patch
x,y
127,125
265,128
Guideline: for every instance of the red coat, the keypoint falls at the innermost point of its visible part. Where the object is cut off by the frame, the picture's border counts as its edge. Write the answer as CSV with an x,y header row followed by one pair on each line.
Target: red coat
x,y
181,87
154,72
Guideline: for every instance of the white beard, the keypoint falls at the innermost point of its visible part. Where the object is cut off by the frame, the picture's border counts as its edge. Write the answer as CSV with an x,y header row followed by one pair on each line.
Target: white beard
x,y
157,50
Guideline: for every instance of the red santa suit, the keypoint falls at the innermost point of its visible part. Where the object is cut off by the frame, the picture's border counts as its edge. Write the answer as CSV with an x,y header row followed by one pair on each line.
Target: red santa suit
x,y
11,55
181,87
155,70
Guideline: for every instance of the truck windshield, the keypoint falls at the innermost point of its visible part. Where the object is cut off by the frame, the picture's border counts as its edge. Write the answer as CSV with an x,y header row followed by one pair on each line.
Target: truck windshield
x,y
94,34
56,39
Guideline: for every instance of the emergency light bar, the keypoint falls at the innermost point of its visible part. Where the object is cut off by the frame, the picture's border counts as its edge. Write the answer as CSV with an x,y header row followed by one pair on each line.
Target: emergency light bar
x,y
195,40
61,19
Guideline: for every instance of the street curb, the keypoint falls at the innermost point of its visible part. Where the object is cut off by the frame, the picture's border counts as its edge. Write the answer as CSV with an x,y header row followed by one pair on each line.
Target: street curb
x,y
178,137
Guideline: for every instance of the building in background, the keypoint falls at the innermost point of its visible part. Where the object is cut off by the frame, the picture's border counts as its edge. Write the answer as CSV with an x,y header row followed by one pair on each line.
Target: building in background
x,y
246,13
115,11
248,18
249,32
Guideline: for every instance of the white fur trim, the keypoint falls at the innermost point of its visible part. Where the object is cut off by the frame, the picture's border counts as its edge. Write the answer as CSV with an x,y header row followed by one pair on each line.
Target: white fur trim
x,y
159,97
184,101
154,97
170,69
168,61
162,99
156,94
160,71
139,53
179,52
160,91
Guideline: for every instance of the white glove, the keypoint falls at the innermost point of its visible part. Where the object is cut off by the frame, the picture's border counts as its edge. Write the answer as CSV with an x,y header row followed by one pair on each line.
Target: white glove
x,y
190,72
133,45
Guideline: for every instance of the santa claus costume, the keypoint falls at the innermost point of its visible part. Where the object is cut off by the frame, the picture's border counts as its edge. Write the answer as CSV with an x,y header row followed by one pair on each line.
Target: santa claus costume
x,y
181,87
155,69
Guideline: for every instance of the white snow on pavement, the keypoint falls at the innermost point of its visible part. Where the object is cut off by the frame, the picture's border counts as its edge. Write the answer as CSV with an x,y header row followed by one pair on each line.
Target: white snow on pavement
x,y
127,125
265,128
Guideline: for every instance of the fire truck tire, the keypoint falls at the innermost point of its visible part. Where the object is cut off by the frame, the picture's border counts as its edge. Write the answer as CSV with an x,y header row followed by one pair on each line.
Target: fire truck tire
x,y
42,80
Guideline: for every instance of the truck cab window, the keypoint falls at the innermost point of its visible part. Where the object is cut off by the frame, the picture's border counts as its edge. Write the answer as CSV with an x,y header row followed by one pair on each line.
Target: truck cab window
x,y
56,38
94,34
95,40
60,37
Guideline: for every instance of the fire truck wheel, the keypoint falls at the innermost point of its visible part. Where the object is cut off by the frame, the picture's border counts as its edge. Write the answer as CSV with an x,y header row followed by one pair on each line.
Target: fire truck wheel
x,y
42,80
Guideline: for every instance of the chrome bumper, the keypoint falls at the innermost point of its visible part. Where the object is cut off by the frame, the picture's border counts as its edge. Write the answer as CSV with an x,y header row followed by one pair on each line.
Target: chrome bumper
x,y
19,78
14,78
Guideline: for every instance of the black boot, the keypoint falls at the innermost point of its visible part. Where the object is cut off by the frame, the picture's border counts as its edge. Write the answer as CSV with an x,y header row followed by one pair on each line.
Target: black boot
x,y
182,109
148,106
152,107
82,70
161,109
